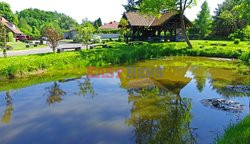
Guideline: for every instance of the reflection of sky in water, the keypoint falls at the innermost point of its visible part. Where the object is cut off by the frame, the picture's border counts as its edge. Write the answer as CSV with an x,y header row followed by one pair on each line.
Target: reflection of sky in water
x,y
98,119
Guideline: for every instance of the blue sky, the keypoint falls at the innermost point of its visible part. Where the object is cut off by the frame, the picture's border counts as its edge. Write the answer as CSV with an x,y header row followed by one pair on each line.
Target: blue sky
x,y
108,10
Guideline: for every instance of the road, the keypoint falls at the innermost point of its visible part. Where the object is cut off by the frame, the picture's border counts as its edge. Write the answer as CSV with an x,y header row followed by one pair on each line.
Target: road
x,y
38,50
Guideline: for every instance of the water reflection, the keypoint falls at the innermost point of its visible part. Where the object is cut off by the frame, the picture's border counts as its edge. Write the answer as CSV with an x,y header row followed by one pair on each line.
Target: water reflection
x,y
158,113
54,93
86,88
6,118
160,117
156,110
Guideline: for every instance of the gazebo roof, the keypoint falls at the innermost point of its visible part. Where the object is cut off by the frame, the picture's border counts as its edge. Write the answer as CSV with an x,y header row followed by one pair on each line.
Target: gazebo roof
x,y
138,19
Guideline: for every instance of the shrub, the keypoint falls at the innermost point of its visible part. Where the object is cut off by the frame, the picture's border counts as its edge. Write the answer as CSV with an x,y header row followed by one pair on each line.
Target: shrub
x,y
10,37
96,39
236,41
245,57
9,47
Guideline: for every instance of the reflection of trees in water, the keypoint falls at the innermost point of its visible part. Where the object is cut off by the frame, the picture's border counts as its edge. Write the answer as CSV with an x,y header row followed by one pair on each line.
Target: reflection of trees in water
x,y
200,75
86,88
6,118
160,117
54,93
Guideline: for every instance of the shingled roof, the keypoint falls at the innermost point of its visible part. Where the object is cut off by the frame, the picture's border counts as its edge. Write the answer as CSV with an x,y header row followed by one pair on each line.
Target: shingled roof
x,y
10,26
111,25
137,19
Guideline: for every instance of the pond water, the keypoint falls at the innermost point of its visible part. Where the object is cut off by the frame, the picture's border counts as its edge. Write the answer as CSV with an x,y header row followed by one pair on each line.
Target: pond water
x,y
166,108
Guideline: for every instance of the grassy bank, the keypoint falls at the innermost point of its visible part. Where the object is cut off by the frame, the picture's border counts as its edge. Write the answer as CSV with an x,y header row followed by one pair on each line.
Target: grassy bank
x,y
237,134
117,54
22,46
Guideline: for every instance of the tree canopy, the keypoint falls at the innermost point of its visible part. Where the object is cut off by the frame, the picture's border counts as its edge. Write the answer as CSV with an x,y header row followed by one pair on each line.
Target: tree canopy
x,y
231,16
36,19
6,12
203,24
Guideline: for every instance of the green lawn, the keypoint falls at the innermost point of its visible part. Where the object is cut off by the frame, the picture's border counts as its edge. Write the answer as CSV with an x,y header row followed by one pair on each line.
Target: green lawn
x,y
237,134
22,46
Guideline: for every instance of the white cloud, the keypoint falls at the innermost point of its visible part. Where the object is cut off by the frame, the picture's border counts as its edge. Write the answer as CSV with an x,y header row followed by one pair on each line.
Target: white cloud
x,y
108,10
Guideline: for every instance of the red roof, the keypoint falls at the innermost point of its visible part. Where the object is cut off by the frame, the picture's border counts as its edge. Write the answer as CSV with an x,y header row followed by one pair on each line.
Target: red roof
x,y
111,25
10,26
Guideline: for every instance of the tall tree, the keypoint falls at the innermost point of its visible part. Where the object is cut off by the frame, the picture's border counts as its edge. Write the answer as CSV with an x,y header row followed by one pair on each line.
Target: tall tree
x,y
157,6
133,5
97,23
3,39
6,12
204,21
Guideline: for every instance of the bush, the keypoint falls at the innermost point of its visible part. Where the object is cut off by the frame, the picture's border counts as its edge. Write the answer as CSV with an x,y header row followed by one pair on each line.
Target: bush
x,y
236,41
96,39
9,47
10,37
245,57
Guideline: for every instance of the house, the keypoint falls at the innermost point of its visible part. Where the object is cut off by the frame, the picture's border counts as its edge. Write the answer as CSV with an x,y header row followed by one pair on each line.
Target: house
x,y
11,27
110,26
147,27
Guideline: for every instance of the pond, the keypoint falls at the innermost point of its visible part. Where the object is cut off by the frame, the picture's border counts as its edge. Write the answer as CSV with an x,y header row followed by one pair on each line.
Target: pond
x,y
163,107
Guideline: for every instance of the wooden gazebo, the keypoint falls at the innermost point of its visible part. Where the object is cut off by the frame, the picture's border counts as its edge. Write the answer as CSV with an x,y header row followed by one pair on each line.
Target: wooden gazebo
x,y
146,27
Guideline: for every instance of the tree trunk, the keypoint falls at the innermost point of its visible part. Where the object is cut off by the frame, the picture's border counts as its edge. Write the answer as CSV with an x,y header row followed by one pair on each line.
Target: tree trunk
x,y
184,31
5,52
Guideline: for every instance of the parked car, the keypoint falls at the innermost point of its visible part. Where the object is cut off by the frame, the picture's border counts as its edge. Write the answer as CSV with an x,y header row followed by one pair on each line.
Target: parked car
x,y
23,38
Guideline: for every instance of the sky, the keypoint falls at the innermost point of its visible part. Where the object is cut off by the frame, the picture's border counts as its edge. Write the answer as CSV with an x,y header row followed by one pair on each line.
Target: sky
x,y
107,10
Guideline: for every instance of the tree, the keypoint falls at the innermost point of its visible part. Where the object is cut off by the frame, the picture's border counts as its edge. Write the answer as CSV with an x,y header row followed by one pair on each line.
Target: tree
x,y
155,7
97,23
204,21
10,37
24,27
133,5
246,32
36,18
3,39
85,32
6,12
123,27
54,35
230,17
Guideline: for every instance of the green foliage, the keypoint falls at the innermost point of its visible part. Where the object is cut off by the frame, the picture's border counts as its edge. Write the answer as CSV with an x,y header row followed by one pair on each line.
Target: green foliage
x,y
7,13
246,32
133,5
237,41
97,23
85,32
25,27
54,35
123,27
203,23
36,19
3,39
231,17
237,134
10,37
